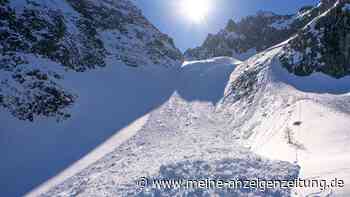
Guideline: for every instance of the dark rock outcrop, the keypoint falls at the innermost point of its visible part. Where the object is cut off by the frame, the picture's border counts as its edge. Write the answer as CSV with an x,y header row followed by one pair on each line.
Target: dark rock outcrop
x,y
318,39
323,45
247,37
37,37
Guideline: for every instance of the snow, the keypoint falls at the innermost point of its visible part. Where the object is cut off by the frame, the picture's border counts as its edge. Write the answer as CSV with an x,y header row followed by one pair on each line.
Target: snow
x,y
150,121
346,7
317,82
245,55
320,144
95,155
183,118
314,21
319,104
241,168
105,99
321,151
301,15
183,132
205,80
108,99
283,24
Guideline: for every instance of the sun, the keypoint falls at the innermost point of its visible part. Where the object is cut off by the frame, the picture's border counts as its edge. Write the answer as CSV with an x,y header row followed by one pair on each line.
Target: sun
x,y
195,10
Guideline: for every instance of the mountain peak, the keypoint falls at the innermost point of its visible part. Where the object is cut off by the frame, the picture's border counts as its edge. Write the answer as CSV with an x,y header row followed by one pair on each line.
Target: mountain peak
x,y
242,39
318,35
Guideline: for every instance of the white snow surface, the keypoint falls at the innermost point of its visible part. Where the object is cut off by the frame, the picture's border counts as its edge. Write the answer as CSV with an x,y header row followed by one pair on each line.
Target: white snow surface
x,y
95,155
303,120
109,99
195,116
187,129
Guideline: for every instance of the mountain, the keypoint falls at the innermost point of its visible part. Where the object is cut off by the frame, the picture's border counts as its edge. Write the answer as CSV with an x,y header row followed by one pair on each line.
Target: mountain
x,y
318,39
38,38
211,119
323,45
72,74
265,123
236,119
255,33
190,136
245,38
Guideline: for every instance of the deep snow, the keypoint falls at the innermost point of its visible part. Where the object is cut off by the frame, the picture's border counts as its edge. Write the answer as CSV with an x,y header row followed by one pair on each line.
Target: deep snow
x,y
303,120
184,131
198,118
218,117
95,155
109,99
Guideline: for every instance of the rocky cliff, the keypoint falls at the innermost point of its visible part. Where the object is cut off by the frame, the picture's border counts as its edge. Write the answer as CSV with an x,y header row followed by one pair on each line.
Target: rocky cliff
x,y
38,37
323,45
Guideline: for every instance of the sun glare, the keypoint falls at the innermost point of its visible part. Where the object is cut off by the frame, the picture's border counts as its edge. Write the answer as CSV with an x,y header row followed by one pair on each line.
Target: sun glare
x,y
195,10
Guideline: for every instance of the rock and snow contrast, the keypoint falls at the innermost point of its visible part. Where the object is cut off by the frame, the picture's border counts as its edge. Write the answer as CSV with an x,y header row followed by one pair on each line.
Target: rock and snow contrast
x,y
188,132
258,32
70,80
280,113
41,39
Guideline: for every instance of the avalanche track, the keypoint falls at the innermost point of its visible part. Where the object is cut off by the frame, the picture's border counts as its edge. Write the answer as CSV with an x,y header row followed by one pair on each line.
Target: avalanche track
x,y
185,132
222,116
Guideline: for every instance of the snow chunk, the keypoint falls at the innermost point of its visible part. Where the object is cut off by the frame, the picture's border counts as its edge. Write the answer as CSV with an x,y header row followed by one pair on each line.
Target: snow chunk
x,y
250,168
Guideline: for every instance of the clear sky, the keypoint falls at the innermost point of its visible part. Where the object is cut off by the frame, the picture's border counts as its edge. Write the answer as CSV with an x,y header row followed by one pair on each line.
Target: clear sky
x,y
176,20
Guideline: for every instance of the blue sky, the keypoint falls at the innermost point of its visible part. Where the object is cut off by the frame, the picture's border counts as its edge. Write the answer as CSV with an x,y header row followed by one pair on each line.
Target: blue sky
x,y
164,14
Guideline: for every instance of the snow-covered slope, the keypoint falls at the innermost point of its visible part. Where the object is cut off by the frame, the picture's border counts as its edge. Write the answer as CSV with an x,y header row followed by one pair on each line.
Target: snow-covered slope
x,y
95,66
217,118
297,119
40,38
109,99
264,110
186,132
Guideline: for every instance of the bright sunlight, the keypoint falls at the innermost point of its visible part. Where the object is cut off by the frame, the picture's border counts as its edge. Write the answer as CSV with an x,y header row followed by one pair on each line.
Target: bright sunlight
x,y
195,10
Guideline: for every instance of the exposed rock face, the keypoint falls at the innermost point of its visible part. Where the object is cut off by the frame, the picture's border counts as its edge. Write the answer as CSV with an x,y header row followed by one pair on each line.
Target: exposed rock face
x,y
255,33
320,38
77,35
323,45
328,2
243,39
